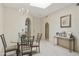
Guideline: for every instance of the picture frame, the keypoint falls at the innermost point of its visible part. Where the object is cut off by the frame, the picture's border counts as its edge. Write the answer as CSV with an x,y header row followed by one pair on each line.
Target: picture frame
x,y
65,21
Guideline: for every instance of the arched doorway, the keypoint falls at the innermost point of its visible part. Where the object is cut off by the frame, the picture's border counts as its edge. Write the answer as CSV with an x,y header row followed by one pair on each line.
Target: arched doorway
x,y
47,31
28,27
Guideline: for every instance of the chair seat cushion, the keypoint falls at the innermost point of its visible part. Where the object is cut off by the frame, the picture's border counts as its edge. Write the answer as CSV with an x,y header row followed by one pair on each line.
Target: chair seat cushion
x,y
35,44
11,48
25,50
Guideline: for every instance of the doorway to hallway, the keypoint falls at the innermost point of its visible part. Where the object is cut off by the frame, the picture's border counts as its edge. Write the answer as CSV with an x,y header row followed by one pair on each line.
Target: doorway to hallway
x,y
47,31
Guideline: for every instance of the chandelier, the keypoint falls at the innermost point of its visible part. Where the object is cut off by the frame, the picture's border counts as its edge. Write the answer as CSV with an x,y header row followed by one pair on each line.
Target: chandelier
x,y
23,11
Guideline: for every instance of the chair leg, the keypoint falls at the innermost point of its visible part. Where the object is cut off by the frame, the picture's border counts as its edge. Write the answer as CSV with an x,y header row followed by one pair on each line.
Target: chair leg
x,y
5,53
21,50
18,49
31,52
36,48
39,49
17,52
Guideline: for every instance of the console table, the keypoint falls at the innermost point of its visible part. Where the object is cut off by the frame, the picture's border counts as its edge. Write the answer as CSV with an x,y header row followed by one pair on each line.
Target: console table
x,y
71,46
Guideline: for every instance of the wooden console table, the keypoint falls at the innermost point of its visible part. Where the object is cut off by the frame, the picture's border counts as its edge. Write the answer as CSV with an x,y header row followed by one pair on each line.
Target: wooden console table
x,y
71,46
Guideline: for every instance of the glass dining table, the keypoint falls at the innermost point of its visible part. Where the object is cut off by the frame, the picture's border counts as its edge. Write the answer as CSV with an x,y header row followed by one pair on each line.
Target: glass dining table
x,y
19,43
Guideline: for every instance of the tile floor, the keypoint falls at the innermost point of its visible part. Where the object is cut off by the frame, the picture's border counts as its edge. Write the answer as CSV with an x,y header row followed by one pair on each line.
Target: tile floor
x,y
47,48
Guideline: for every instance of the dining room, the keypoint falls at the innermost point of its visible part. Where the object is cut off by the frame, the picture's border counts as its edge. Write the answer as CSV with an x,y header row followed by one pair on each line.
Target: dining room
x,y
32,31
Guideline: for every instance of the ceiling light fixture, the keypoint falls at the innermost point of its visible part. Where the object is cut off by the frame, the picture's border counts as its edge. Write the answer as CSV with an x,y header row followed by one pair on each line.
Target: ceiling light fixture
x,y
40,5
23,11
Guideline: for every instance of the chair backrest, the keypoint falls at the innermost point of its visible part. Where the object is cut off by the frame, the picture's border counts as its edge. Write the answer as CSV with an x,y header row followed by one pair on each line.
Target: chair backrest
x,y
32,40
39,35
23,39
26,41
3,41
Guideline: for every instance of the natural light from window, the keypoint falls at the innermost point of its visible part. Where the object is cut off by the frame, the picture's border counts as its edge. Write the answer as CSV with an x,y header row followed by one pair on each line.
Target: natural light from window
x,y
40,5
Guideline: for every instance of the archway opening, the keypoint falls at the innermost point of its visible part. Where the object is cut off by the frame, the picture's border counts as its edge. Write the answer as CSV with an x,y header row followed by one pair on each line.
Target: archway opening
x,y
28,27
47,31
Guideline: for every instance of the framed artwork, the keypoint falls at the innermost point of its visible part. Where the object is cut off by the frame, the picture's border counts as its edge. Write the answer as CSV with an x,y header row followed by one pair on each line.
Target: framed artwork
x,y
65,21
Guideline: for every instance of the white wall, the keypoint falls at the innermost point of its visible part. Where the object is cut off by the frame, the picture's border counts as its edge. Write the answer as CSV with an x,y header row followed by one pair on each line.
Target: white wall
x,y
54,23
15,22
37,25
1,24
1,19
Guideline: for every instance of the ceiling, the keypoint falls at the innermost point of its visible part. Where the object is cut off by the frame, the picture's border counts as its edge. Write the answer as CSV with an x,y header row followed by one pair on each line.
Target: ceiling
x,y
39,12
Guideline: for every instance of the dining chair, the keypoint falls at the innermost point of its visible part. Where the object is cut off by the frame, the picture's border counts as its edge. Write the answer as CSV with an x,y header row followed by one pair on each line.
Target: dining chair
x,y
8,48
26,45
36,43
